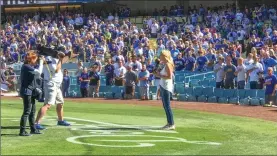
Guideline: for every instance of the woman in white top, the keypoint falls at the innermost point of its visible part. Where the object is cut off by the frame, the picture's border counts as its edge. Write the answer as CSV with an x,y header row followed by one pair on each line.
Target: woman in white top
x,y
166,86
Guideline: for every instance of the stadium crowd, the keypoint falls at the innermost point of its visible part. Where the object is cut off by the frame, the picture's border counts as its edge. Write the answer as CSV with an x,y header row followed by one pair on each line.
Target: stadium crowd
x,y
208,39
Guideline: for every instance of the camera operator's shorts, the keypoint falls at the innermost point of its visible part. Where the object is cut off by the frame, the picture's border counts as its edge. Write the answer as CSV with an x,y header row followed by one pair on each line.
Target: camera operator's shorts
x,y
52,93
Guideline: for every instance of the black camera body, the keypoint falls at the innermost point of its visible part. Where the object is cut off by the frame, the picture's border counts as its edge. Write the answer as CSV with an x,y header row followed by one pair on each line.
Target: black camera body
x,y
53,52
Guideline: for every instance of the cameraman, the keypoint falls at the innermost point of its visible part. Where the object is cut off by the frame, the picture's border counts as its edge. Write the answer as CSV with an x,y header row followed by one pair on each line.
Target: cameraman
x,y
53,78
29,92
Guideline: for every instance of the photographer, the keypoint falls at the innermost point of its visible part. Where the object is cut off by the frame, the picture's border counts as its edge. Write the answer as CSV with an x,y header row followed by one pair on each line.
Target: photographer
x,y
29,91
53,78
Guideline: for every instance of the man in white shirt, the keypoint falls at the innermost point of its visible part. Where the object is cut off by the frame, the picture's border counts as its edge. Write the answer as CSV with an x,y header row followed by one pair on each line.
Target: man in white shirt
x,y
241,74
116,59
241,37
110,17
137,66
79,21
53,78
254,70
119,74
154,29
219,71
239,16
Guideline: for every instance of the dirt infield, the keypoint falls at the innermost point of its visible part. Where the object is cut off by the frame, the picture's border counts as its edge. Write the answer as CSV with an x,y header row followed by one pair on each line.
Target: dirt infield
x,y
266,113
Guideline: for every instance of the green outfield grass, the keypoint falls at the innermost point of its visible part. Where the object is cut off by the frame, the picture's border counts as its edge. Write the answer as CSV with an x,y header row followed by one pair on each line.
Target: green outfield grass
x,y
113,129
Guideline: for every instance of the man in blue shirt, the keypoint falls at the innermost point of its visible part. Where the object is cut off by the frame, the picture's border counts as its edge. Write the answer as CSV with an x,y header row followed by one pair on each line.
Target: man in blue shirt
x,y
109,71
190,62
179,62
270,88
268,62
84,85
143,83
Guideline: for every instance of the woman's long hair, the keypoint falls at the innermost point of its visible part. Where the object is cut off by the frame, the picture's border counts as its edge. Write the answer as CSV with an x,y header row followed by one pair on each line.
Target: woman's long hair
x,y
168,58
30,56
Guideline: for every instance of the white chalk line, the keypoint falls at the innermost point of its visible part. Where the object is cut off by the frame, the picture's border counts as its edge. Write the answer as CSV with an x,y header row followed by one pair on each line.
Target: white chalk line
x,y
100,131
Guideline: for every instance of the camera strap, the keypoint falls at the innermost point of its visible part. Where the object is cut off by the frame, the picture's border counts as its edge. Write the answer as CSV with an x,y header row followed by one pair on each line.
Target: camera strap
x,y
50,74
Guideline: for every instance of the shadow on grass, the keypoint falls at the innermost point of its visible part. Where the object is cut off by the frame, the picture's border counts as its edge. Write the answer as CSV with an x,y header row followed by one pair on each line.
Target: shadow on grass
x,y
9,135
123,128
11,127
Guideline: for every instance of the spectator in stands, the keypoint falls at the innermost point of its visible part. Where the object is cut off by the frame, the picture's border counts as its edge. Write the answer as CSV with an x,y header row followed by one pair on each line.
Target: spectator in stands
x,y
84,82
201,62
94,83
154,29
65,84
4,83
270,88
268,62
254,70
190,62
249,60
179,62
144,83
131,81
219,71
11,78
119,74
229,73
136,64
109,72
79,70
241,74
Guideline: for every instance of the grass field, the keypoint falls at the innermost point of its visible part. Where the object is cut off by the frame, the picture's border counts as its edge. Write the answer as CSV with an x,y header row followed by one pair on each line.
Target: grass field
x,y
114,129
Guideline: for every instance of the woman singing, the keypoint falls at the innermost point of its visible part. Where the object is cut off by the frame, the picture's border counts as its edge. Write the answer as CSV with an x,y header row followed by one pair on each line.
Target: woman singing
x,y
166,86
29,92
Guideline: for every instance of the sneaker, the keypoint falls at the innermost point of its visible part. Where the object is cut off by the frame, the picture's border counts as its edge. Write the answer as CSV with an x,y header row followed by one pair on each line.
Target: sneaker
x,y
35,132
39,127
169,127
24,134
164,127
63,123
267,105
41,100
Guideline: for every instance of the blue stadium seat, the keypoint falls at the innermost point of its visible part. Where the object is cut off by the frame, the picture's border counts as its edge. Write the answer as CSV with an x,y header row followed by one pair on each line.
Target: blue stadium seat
x,y
103,81
259,99
119,92
111,93
212,83
194,83
197,91
153,89
227,94
103,90
179,88
73,80
248,94
204,83
179,78
240,94
187,93
217,93
207,92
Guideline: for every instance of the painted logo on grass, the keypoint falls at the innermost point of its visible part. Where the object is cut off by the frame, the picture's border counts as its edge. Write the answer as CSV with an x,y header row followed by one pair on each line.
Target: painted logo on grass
x,y
103,134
